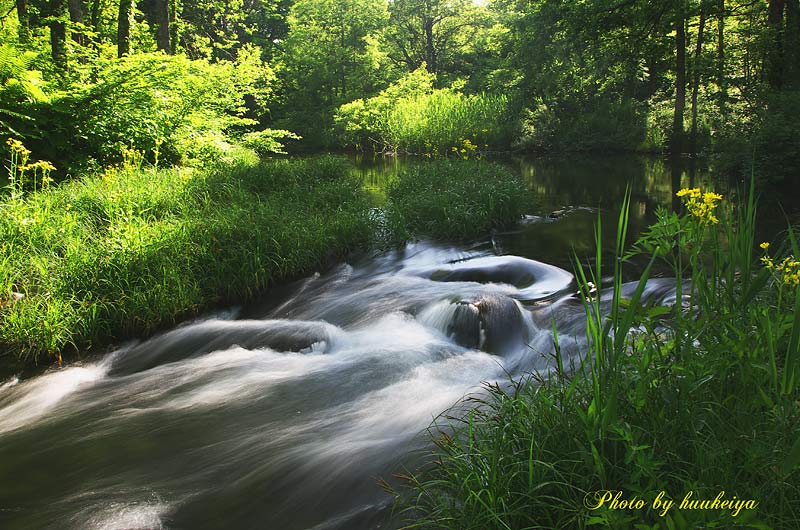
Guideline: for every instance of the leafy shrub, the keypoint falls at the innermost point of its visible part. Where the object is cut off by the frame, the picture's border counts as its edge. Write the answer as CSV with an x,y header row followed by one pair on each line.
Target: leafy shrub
x,y
565,126
171,108
268,141
20,89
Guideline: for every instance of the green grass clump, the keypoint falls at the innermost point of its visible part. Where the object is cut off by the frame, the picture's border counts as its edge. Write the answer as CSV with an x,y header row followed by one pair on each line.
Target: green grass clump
x,y
438,122
97,260
456,199
410,116
703,398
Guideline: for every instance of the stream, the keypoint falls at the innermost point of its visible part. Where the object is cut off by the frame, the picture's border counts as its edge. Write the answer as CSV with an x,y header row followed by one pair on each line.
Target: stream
x,y
284,414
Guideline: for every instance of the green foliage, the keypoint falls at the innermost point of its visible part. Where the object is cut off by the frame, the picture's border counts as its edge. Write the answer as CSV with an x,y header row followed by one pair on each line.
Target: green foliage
x,y
268,141
331,56
603,126
438,35
20,87
97,260
156,103
360,122
688,398
412,117
777,139
455,199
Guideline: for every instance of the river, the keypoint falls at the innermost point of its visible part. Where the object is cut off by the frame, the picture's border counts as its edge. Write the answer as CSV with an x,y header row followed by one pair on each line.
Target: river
x,y
284,414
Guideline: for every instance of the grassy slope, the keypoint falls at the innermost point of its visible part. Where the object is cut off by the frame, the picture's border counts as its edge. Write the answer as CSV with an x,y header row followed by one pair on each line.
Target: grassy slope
x,y
138,249
101,259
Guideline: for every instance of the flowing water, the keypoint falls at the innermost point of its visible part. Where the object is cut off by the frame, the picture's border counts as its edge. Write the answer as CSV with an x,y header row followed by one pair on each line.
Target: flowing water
x,y
284,414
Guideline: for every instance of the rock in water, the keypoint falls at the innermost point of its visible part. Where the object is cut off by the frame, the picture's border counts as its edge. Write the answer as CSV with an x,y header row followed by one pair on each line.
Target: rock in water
x,y
491,322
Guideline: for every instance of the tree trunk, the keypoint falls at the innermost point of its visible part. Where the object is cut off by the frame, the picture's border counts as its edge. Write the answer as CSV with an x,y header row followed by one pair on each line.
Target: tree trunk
x,y
722,82
430,59
58,34
163,36
173,26
76,16
124,27
94,22
696,75
792,43
775,50
24,29
680,78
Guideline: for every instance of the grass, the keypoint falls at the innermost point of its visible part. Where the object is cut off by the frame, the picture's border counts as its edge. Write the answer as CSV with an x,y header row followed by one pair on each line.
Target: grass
x,y
456,199
436,123
101,259
702,399
429,122
97,260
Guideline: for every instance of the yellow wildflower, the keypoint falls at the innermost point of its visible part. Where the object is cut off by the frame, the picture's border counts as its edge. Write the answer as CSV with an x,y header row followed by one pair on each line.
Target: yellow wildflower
x,y
16,145
693,193
764,245
44,165
701,205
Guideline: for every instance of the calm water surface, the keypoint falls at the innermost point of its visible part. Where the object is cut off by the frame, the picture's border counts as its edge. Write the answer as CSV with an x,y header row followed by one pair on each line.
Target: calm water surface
x,y
284,414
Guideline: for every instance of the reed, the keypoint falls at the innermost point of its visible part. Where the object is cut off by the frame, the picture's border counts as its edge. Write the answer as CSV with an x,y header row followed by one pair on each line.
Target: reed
x,y
436,123
696,400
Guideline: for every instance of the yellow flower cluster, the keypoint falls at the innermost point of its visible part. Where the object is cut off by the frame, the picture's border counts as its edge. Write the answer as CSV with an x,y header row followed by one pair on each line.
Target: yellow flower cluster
x,y
467,148
19,166
17,147
701,205
788,270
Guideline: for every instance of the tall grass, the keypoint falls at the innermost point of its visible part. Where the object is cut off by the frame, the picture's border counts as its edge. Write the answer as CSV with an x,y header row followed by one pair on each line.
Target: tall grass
x,y
438,122
97,260
455,199
426,121
702,398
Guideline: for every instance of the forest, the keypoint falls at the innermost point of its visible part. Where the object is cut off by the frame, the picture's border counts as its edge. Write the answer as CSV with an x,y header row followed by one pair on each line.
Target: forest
x,y
182,82
355,264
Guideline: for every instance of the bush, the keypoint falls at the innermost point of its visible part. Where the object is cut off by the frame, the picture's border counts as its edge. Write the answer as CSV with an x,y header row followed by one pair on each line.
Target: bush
x,y
171,108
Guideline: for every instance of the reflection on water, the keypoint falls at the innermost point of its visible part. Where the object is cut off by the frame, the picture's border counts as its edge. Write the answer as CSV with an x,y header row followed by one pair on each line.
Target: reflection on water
x,y
567,193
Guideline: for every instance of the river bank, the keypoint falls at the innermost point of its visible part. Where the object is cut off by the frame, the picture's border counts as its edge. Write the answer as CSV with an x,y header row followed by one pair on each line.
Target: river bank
x,y
99,260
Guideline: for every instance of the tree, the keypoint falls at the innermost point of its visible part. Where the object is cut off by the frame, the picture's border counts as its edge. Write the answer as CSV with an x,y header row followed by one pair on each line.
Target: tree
x,y
331,56
24,30
76,18
432,32
680,77
58,33
124,27
163,34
